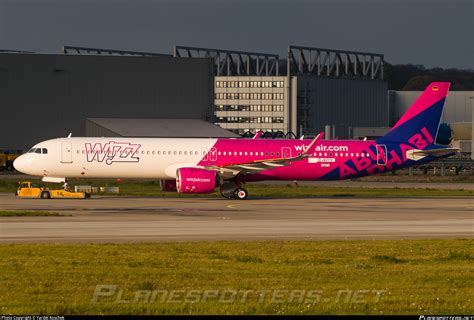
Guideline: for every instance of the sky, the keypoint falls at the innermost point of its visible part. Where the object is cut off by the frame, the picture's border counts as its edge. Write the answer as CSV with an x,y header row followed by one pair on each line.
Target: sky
x,y
435,33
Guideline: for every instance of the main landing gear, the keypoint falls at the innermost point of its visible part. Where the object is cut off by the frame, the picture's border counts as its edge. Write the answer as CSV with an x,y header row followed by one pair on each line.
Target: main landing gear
x,y
231,189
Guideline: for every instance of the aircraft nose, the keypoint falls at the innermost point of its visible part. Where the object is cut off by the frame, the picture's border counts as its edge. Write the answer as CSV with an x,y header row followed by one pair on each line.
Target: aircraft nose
x,y
22,163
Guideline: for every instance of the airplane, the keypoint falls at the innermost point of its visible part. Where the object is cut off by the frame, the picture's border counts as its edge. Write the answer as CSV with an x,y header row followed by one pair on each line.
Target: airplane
x,y
200,165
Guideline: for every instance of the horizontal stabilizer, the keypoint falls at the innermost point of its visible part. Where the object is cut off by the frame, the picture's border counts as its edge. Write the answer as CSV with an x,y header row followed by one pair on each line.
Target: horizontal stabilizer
x,y
417,154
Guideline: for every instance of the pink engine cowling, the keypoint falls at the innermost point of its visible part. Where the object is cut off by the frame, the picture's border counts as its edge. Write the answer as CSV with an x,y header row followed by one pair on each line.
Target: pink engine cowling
x,y
195,180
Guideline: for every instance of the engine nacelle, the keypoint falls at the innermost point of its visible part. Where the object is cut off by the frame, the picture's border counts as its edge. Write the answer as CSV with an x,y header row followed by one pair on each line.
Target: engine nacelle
x,y
168,185
195,180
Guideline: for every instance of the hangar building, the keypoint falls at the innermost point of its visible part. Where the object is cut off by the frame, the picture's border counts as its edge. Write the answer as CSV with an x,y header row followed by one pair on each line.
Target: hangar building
x,y
312,89
52,95
46,96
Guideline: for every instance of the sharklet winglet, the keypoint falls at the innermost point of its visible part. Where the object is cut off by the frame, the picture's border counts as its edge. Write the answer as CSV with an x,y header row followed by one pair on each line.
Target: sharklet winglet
x,y
309,150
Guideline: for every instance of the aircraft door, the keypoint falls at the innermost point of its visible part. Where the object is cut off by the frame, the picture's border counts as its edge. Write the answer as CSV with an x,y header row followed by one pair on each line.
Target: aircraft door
x,y
286,152
381,154
66,152
213,154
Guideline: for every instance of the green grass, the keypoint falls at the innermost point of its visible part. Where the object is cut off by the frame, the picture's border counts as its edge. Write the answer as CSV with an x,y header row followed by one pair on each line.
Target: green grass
x,y
413,276
151,188
21,213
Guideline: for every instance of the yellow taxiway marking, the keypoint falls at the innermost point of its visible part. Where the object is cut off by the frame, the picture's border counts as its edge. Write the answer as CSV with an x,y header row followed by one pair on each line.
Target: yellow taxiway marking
x,y
231,206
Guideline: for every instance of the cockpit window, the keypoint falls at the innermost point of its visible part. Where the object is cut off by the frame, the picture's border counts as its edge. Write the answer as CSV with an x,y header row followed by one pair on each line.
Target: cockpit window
x,y
38,150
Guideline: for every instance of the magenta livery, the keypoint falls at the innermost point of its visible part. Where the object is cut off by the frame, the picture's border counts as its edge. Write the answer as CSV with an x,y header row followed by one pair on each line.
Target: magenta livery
x,y
202,165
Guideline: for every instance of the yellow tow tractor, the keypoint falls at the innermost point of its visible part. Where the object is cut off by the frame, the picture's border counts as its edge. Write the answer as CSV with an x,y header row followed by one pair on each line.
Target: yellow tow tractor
x,y
27,189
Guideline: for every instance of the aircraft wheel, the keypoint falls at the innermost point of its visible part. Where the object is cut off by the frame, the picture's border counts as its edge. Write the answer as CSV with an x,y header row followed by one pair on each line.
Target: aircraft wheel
x,y
241,194
45,195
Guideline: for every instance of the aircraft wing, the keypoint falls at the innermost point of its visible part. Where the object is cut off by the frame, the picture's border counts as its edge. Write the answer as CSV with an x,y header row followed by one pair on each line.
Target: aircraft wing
x,y
232,170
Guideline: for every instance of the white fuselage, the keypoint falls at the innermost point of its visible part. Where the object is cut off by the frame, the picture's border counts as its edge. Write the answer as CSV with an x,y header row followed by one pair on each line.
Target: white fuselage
x,y
114,157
